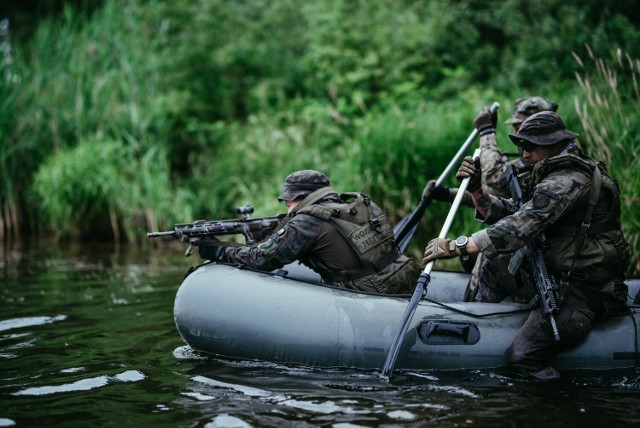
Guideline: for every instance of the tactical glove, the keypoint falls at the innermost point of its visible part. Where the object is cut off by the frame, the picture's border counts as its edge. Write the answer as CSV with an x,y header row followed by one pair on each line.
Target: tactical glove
x,y
486,121
440,193
210,250
470,168
439,248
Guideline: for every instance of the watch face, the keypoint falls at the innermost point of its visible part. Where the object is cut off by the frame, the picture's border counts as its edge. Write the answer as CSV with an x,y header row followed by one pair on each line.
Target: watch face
x,y
462,241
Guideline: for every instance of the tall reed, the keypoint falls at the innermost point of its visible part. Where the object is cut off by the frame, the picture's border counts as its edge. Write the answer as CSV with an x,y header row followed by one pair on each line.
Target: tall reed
x,y
96,80
608,111
8,81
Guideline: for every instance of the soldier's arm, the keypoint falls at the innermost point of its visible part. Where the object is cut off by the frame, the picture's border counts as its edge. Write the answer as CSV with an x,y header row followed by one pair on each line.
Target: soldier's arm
x,y
284,246
491,161
551,199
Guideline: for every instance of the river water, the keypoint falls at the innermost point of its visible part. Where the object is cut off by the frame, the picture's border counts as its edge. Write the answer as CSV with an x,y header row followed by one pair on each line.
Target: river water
x,y
87,339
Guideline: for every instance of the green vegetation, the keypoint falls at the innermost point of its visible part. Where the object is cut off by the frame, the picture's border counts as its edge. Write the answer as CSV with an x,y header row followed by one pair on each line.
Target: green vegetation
x,y
133,115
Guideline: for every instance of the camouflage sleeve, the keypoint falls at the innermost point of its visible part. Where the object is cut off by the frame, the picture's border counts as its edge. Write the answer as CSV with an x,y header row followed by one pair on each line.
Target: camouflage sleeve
x,y
284,246
491,162
495,208
552,197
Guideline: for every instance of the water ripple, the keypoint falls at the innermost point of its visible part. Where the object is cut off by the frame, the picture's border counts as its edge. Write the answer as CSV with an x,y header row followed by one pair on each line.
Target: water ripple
x,y
83,384
29,321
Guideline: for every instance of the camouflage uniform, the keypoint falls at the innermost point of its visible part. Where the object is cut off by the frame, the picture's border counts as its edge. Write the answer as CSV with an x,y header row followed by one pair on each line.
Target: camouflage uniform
x,y
559,190
304,235
493,164
492,160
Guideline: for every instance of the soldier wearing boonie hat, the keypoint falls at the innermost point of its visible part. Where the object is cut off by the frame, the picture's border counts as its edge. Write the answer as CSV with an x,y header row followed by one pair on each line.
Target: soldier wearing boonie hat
x,y
542,129
571,198
346,238
493,165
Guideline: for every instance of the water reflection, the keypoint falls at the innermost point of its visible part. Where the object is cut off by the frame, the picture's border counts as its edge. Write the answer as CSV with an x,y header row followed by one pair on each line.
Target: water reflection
x,y
84,384
29,321
88,339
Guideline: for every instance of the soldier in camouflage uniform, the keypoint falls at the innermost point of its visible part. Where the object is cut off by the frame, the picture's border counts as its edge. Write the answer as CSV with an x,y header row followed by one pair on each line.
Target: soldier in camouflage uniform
x,y
345,238
589,263
493,164
492,160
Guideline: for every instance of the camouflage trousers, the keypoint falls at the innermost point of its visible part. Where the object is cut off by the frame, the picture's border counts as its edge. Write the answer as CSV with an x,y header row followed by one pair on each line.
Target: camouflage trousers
x,y
534,346
491,282
399,277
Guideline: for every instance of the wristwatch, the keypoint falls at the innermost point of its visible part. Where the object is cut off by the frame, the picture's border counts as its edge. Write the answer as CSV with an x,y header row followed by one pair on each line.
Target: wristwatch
x,y
461,243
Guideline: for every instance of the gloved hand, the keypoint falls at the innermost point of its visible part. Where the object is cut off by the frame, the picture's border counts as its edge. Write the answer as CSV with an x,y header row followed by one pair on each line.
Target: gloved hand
x,y
440,193
209,249
470,168
485,122
439,248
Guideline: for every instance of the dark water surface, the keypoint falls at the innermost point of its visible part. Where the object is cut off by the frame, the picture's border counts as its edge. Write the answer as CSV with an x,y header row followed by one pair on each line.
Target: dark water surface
x,y
87,339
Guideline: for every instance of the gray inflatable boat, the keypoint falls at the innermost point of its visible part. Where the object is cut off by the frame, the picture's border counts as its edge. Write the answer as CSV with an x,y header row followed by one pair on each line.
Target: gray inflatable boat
x,y
288,317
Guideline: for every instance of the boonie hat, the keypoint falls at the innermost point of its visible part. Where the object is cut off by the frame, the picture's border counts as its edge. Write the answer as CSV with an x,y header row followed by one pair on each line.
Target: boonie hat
x,y
303,183
543,129
525,107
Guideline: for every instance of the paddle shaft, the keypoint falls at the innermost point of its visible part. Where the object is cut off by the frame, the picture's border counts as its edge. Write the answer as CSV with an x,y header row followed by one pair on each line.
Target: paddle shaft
x,y
405,229
423,282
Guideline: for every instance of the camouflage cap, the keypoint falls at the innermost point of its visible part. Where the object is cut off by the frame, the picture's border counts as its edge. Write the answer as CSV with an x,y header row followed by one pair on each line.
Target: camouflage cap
x,y
302,183
525,107
543,129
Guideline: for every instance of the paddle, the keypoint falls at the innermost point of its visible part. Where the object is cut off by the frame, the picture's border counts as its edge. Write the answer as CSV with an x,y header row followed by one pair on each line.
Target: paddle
x,y
423,282
405,229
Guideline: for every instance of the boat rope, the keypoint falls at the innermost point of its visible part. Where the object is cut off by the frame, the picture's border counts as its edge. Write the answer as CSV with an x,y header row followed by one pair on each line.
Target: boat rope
x,y
473,315
635,336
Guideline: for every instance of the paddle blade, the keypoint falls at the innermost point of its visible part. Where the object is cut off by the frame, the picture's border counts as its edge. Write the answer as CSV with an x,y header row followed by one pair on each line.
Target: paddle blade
x,y
405,229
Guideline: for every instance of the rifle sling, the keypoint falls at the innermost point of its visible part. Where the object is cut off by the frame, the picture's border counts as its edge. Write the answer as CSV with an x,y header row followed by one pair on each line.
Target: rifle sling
x,y
594,195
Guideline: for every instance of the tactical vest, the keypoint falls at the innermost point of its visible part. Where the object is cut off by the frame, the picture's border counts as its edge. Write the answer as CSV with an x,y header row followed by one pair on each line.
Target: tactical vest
x,y
361,223
606,213
598,212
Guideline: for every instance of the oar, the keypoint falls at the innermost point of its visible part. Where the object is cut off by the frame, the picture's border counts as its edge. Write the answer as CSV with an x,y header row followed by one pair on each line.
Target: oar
x,y
405,229
423,282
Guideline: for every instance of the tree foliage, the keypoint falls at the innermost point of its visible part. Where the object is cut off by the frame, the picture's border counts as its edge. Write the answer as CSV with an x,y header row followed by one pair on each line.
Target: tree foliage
x,y
218,101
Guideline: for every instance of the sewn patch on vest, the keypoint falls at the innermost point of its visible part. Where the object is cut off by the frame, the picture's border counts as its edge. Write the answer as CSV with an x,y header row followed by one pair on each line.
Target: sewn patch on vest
x,y
367,237
544,201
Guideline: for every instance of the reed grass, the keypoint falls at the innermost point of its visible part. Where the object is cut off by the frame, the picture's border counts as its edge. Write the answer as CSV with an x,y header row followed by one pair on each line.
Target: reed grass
x,y
97,83
191,109
608,111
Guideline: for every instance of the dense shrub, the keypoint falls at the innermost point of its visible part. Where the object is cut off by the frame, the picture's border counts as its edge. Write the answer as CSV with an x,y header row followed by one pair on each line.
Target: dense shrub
x,y
215,102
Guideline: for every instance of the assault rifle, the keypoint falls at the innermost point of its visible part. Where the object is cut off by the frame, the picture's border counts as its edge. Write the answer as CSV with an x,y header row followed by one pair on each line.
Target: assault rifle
x,y
546,284
253,229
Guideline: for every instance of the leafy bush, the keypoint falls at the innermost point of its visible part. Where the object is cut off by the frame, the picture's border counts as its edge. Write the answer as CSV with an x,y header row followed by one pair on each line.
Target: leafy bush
x,y
221,100
78,79
100,188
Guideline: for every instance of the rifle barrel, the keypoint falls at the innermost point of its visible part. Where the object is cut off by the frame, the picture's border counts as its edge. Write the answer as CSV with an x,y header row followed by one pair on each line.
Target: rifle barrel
x,y
159,234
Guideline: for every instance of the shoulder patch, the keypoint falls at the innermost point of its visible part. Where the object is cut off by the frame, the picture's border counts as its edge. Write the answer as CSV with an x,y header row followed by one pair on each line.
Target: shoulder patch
x,y
544,201
267,246
540,201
